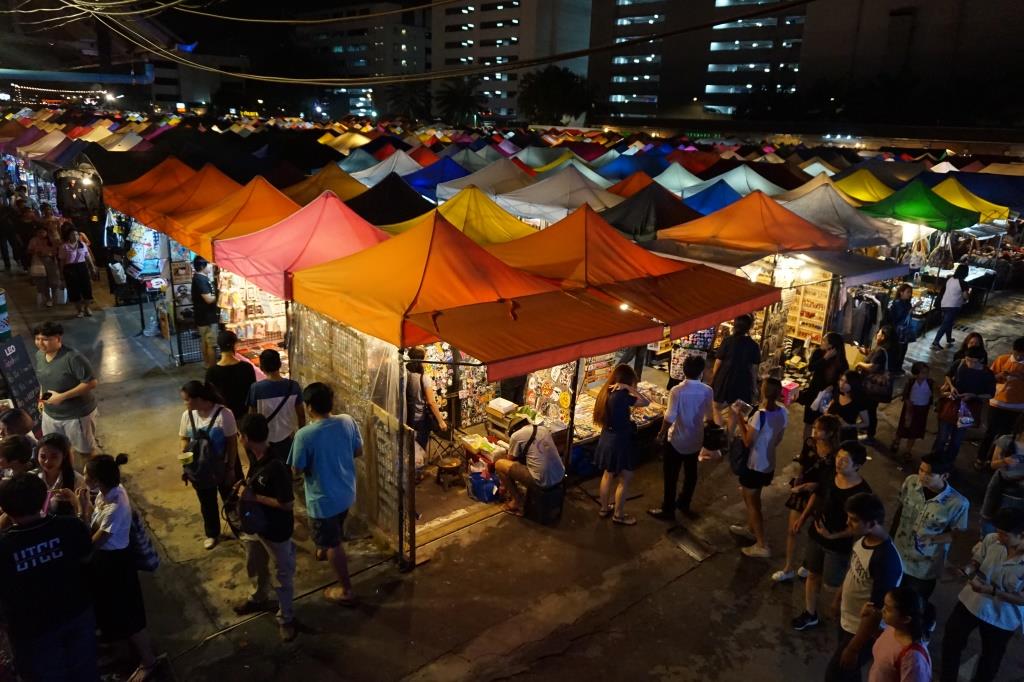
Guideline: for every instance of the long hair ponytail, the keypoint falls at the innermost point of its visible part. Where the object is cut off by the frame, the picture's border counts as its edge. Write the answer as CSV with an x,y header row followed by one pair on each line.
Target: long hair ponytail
x,y
622,374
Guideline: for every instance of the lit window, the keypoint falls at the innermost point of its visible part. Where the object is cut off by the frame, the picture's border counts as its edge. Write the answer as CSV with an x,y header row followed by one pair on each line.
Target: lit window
x,y
626,3
738,68
792,42
734,3
726,89
633,99
646,19
638,59
764,22
793,21
742,45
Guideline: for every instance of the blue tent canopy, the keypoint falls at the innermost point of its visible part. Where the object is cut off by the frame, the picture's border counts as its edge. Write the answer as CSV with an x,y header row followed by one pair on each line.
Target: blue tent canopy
x,y
624,166
358,159
426,179
709,200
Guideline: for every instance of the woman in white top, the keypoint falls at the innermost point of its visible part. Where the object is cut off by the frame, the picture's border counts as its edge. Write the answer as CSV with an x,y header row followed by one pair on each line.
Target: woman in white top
x,y
120,610
954,295
62,481
761,432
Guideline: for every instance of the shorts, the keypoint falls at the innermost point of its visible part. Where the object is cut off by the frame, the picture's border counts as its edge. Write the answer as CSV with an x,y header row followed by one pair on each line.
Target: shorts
x,y
327,532
521,474
831,566
755,480
208,335
81,432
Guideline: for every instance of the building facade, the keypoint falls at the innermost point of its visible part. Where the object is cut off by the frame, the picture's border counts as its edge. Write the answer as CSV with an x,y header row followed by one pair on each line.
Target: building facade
x,y
497,32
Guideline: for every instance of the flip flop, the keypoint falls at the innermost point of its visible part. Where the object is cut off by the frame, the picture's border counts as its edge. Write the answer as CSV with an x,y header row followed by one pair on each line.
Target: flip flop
x,y
624,520
347,602
606,512
513,511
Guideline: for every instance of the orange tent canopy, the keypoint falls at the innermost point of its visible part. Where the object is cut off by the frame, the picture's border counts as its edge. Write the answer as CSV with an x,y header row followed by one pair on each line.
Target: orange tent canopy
x,y
330,178
423,156
257,205
203,189
583,250
163,177
754,223
631,184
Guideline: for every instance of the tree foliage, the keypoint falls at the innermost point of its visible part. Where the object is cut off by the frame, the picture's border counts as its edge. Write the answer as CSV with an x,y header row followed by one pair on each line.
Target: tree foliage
x,y
410,101
554,93
458,101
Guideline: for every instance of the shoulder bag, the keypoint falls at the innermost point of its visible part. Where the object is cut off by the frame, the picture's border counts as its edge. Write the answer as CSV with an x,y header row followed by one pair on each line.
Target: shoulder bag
x,y
739,452
878,385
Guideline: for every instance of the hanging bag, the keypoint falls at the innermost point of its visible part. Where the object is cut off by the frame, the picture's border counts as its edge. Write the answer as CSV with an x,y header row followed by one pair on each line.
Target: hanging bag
x,y
739,452
878,384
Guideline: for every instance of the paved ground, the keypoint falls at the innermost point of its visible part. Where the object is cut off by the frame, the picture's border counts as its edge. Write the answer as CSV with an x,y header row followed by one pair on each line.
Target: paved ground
x,y
504,598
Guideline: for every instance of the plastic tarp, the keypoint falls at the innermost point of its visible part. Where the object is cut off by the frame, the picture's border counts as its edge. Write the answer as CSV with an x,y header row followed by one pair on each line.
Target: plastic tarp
x,y
203,189
583,250
474,214
854,268
391,200
497,178
449,288
863,186
742,179
651,209
330,178
254,207
323,230
814,183
754,223
958,195
553,199
710,199
357,160
163,177
675,179
398,162
917,204
627,187
826,208
426,180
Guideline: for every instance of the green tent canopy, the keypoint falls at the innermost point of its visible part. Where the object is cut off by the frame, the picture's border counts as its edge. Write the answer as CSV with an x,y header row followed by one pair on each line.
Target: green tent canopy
x,y
917,204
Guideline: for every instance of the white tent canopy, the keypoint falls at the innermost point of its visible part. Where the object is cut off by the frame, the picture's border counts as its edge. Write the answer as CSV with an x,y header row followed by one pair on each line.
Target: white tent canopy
x,y
675,178
496,178
552,199
605,158
536,157
582,168
817,168
743,179
944,167
469,159
811,185
826,208
399,162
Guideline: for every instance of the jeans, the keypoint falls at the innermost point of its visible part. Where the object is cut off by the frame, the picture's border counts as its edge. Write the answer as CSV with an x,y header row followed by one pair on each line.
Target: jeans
x,y
946,326
835,672
959,627
948,441
1000,423
65,654
259,553
673,462
923,586
872,409
209,509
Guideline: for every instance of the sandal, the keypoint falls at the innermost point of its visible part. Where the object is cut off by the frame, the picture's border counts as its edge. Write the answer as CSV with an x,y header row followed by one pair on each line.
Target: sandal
x,y
624,520
606,512
331,594
509,509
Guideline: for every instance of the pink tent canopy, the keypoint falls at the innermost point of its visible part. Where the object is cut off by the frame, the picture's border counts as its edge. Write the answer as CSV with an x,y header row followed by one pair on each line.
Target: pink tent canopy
x,y
325,229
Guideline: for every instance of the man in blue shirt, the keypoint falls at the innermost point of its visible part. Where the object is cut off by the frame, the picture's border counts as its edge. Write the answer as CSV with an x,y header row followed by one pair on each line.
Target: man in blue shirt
x,y
324,452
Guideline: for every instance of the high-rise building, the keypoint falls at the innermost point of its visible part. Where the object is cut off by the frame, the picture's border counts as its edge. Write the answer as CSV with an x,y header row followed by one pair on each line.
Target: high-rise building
x,y
496,32
386,42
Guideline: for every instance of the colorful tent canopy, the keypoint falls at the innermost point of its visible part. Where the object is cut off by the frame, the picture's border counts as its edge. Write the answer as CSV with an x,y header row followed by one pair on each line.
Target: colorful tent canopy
x,y
742,179
1005,190
625,166
554,198
426,180
892,173
165,176
497,178
675,179
944,167
329,178
915,203
651,209
826,208
390,201
357,160
203,189
958,195
398,162
539,157
627,187
323,230
582,168
811,185
423,156
604,159
754,223
469,159
863,186
474,214
257,205
710,199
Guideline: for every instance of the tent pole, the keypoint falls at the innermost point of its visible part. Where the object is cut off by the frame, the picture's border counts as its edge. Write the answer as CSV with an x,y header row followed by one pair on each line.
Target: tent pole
x,y
404,564
572,413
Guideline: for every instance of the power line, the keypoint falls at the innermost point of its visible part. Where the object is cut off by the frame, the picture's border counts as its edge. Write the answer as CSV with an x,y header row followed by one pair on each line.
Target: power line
x,y
331,20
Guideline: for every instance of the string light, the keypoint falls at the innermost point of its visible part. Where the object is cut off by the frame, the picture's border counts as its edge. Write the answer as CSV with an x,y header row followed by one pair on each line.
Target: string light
x,y
58,90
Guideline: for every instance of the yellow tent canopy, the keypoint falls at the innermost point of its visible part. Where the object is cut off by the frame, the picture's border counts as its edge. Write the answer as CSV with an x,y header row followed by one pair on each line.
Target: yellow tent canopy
x,y
330,177
952,191
863,186
474,214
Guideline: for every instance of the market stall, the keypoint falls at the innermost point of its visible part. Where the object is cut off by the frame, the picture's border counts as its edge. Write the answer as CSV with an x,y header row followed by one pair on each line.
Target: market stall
x,y
474,214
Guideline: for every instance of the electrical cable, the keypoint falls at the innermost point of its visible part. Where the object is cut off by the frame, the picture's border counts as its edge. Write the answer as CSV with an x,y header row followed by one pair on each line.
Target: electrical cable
x,y
332,20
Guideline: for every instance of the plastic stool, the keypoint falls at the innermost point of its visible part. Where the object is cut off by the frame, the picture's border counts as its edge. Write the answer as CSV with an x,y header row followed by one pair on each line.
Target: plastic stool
x,y
544,505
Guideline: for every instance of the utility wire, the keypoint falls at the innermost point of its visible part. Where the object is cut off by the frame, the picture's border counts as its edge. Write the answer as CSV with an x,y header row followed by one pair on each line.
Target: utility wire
x,y
331,20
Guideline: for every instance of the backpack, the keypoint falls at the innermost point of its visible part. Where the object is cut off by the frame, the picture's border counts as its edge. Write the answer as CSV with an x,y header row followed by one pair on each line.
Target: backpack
x,y
208,466
141,545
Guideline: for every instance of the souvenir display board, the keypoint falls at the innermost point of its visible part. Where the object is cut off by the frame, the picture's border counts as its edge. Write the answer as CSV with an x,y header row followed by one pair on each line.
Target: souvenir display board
x,y
549,392
461,389
258,318
807,314
146,254
698,343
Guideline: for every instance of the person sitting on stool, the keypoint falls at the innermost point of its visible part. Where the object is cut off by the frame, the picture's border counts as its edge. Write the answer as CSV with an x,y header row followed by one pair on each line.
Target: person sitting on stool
x,y
533,459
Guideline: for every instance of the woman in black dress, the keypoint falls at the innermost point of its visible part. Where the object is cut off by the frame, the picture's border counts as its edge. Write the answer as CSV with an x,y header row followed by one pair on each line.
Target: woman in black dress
x,y
735,372
615,453
879,362
827,364
849,406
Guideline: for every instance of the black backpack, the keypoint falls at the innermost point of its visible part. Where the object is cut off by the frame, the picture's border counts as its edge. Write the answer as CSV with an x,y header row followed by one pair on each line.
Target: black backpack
x,y
208,466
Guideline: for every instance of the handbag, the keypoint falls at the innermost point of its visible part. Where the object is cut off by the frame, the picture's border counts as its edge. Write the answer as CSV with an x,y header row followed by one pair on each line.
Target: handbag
x,y
36,268
144,555
878,385
948,409
739,452
714,436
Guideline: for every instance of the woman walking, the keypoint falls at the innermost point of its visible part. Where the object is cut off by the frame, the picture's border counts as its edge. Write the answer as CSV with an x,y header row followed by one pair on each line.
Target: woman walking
x,y
615,453
78,267
734,376
878,369
827,365
954,295
900,653
43,266
761,433
901,319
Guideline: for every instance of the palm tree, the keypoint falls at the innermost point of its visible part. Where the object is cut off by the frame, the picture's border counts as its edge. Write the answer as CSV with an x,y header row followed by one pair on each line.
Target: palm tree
x,y
458,101
553,94
410,101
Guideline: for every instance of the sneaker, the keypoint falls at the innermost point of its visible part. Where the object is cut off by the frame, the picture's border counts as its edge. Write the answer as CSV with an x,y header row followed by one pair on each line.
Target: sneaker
x,y
741,531
756,552
286,631
805,621
209,543
251,606
783,576
935,346
661,514
802,572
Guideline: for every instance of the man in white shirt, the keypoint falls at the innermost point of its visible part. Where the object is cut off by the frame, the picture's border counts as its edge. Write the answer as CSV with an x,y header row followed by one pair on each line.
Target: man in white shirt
x,y
690,405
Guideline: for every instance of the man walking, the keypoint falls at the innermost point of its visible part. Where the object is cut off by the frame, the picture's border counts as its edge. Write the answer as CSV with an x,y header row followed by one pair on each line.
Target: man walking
x,y
930,510
875,568
205,311
280,401
268,484
66,385
324,452
690,405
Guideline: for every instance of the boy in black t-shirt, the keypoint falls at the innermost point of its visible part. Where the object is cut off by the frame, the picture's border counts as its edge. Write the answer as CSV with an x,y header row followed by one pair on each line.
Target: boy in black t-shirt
x,y
44,591
268,484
